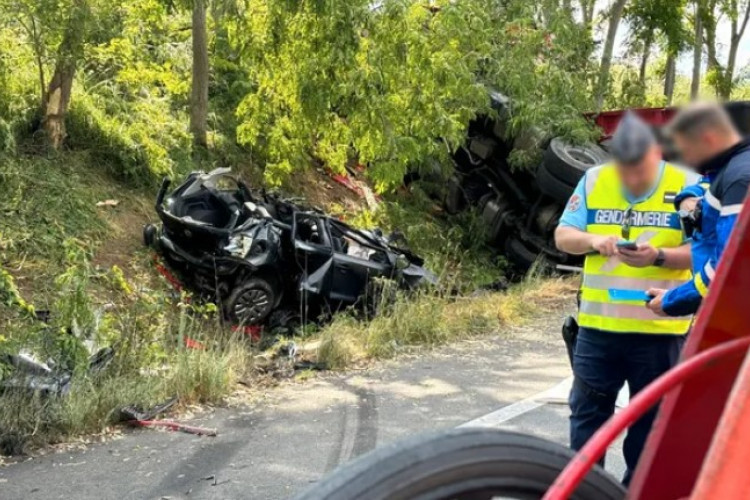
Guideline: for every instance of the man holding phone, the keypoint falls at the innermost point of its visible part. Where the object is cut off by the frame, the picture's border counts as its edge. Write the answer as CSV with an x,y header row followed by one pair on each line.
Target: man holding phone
x,y
622,217
708,140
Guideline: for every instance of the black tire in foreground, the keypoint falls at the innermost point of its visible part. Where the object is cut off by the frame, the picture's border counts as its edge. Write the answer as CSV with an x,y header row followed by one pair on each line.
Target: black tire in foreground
x,y
568,162
553,187
460,464
251,302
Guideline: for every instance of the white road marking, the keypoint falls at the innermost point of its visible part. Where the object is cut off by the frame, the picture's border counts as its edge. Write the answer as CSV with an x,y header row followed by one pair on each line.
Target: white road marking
x,y
557,394
518,408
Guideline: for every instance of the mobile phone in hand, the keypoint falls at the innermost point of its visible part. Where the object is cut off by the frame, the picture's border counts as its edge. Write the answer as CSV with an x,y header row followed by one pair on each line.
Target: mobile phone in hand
x,y
627,245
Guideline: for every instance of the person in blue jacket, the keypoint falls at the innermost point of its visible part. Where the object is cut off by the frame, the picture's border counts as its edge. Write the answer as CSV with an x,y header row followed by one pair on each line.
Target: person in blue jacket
x,y
707,139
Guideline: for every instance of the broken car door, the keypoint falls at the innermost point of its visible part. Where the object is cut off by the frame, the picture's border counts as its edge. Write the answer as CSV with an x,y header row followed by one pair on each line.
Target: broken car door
x,y
313,253
355,262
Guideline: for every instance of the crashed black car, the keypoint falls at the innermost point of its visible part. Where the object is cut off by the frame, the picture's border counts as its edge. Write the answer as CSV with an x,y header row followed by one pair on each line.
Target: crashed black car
x,y
255,252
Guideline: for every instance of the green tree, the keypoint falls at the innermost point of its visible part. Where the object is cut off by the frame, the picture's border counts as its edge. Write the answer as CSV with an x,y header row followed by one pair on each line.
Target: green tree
x,y
737,12
652,21
69,52
390,85
602,85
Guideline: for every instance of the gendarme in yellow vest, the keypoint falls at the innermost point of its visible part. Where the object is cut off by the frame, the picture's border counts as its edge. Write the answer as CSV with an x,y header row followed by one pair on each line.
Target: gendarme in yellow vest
x,y
653,221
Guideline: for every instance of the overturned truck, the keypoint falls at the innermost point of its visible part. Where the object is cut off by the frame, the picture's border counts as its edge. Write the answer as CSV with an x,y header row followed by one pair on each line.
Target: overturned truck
x,y
258,254
522,208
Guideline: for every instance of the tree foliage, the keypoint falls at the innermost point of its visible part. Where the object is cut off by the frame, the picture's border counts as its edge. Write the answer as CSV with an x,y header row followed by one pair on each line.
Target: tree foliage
x,y
391,85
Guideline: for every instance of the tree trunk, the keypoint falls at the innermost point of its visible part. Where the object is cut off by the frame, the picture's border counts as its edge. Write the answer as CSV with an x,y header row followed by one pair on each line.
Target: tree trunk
x,y
56,102
199,91
669,78
695,84
708,22
644,59
615,15
57,98
587,12
727,80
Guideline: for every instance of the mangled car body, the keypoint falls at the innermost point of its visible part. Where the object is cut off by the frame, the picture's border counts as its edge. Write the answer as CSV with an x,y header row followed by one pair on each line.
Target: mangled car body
x,y
255,252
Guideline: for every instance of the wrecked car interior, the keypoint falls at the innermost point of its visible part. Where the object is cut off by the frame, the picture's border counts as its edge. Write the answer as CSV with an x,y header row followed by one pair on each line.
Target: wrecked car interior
x,y
255,252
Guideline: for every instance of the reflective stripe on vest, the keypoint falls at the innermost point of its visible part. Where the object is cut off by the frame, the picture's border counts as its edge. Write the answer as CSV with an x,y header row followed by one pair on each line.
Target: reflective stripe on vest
x,y
652,221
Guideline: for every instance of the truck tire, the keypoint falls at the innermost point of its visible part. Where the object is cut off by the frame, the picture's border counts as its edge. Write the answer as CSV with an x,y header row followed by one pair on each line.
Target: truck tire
x,y
568,162
519,254
552,186
469,463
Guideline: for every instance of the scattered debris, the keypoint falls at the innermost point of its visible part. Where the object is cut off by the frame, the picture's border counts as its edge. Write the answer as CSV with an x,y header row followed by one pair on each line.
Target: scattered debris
x,y
128,413
175,426
108,203
194,344
133,415
45,378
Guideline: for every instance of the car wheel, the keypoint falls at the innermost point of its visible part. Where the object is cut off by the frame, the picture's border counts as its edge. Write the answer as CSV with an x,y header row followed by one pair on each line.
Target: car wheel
x,y
461,464
553,187
149,235
251,302
568,162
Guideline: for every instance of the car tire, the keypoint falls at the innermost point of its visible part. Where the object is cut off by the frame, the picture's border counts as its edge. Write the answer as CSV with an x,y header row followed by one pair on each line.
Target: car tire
x,y
251,302
568,162
553,187
469,463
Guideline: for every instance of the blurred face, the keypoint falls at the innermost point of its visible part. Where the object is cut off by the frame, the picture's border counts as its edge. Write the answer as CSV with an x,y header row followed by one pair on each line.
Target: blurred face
x,y
639,178
696,148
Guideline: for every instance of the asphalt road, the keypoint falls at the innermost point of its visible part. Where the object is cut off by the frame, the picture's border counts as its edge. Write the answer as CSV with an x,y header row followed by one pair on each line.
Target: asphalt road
x,y
301,431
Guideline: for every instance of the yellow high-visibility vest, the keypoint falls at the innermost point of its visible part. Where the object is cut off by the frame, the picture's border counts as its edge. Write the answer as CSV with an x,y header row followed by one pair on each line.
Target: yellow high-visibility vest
x,y
654,221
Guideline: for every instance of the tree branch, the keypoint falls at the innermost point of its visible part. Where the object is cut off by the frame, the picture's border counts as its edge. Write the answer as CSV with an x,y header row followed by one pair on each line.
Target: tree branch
x,y
744,21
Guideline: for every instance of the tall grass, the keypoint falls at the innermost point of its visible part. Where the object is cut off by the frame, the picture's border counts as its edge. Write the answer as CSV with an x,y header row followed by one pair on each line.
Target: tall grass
x,y
430,318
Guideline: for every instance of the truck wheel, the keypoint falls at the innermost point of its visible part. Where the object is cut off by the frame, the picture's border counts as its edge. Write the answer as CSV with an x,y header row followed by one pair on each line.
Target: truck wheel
x,y
461,464
251,302
568,162
553,187
519,254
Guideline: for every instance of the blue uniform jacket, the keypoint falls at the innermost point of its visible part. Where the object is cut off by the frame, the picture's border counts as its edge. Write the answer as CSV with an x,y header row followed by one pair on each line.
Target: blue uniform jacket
x,y
702,245
729,173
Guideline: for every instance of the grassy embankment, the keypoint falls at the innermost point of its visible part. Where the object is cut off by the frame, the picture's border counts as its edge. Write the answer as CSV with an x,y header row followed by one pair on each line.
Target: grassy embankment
x,y
84,264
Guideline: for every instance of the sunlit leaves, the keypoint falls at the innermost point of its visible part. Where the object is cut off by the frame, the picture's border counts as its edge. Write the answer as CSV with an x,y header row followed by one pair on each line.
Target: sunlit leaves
x,y
389,87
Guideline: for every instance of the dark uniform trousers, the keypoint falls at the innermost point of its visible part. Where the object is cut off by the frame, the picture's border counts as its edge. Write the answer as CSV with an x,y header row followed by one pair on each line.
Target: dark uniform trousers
x,y
602,363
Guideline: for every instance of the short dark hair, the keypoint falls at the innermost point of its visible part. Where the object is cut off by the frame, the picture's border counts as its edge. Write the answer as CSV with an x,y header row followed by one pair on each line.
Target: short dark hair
x,y
699,117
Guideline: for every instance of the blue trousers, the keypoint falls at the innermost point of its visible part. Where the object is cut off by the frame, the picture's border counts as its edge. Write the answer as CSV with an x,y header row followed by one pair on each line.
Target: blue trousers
x,y
602,363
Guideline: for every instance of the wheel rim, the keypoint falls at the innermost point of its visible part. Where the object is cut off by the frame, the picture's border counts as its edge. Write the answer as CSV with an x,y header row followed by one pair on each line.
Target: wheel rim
x,y
252,306
582,155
